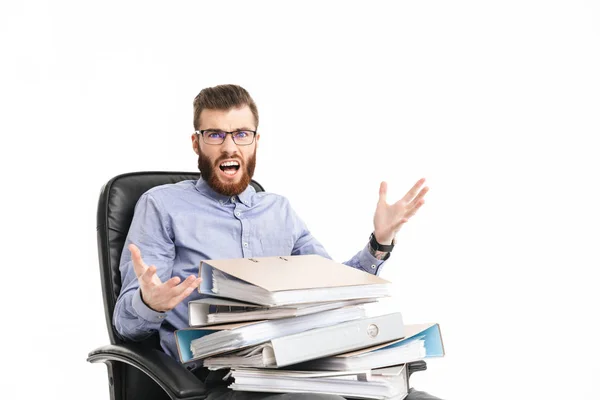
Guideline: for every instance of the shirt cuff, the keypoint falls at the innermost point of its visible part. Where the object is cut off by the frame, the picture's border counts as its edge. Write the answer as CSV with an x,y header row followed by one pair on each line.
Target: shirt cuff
x,y
368,262
145,312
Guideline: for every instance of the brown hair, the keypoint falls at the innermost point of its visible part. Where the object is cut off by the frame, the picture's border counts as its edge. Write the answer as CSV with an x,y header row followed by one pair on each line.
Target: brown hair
x,y
223,97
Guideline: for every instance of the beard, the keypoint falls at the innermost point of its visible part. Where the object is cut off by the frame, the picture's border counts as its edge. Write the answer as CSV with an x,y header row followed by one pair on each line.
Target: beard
x,y
207,170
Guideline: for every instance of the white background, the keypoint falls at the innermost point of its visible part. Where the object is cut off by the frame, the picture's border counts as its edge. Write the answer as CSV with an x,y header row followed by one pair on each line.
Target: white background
x,y
495,103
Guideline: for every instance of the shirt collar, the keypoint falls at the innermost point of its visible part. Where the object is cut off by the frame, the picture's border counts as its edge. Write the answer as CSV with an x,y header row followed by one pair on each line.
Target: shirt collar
x,y
245,197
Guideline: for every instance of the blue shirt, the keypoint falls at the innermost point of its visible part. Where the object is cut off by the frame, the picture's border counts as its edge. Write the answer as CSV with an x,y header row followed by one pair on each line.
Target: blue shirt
x,y
178,225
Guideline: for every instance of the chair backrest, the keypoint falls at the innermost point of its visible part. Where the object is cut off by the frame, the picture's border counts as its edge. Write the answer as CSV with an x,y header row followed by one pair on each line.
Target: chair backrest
x,y
115,212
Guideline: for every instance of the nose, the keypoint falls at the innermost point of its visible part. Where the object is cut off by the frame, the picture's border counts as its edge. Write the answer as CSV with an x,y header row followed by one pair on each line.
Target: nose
x,y
229,145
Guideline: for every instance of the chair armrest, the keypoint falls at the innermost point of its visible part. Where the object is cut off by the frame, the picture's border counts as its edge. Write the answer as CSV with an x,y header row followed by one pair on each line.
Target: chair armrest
x,y
416,366
173,377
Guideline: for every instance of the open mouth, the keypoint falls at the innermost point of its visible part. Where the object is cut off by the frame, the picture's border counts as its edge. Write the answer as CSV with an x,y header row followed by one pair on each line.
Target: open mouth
x,y
230,167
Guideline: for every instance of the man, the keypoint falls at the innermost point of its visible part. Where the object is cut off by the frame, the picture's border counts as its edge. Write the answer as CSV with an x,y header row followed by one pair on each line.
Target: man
x,y
221,216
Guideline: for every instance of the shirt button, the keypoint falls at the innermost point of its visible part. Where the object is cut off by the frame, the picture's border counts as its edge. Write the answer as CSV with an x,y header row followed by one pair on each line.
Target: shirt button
x,y
238,213
233,199
245,244
373,266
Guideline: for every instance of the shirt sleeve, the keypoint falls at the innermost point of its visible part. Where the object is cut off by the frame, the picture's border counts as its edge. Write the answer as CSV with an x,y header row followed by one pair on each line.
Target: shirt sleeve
x,y
151,233
307,244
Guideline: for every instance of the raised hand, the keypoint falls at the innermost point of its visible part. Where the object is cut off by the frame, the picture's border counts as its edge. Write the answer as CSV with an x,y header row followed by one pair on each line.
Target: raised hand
x,y
389,218
157,295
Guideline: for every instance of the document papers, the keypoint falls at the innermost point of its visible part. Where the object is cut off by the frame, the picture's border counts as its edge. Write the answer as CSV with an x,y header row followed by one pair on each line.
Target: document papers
x,y
379,384
278,281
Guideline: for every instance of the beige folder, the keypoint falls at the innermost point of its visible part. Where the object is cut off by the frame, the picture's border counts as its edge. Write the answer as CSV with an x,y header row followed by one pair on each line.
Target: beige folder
x,y
292,272
278,281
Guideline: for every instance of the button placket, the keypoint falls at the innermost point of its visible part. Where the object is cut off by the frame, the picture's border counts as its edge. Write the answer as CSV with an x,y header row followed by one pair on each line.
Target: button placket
x,y
245,238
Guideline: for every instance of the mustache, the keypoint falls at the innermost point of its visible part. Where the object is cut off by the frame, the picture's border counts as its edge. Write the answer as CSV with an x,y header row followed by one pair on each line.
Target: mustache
x,y
227,156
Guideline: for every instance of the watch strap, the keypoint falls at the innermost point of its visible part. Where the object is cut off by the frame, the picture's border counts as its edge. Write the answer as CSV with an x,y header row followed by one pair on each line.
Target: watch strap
x,y
387,248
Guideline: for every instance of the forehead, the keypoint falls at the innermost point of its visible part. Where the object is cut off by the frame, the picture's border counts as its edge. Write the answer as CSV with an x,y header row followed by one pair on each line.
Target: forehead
x,y
227,120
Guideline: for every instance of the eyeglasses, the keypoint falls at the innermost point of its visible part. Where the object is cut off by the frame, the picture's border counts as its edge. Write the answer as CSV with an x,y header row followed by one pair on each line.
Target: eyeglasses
x,y
213,136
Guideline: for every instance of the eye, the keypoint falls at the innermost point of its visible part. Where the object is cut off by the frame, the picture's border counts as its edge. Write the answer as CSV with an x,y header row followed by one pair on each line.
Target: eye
x,y
214,134
242,134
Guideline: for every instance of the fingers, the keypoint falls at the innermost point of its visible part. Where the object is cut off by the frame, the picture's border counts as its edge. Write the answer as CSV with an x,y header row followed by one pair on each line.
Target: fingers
x,y
165,297
136,257
413,191
382,192
410,210
139,266
409,201
413,210
159,296
186,288
419,197
174,281
148,275
187,283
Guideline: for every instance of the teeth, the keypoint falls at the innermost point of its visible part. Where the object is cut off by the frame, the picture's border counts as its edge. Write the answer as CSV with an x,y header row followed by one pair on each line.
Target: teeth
x,y
230,164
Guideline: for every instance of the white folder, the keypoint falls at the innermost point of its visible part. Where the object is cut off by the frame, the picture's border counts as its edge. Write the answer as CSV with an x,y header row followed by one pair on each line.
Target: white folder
x,y
381,384
198,343
317,343
216,310
421,341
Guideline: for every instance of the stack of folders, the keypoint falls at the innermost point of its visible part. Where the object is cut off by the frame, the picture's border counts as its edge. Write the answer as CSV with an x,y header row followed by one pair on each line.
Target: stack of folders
x,y
304,313
384,383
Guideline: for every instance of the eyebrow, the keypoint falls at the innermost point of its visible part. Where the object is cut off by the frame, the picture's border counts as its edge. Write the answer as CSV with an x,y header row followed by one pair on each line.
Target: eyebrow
x,y
235,130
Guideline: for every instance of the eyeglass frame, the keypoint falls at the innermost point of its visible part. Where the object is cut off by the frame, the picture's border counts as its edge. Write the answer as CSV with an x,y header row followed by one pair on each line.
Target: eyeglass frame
x,y
201,133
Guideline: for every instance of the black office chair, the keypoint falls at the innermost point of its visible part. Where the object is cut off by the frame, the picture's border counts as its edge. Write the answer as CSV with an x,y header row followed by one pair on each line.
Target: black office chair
x,y
140,370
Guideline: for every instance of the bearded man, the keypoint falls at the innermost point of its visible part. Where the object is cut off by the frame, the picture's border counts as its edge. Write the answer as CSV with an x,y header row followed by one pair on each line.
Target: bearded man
x,y
221,216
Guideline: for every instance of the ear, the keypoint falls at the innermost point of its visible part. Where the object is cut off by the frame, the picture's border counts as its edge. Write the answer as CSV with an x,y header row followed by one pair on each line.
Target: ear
x,y
256,139
195,144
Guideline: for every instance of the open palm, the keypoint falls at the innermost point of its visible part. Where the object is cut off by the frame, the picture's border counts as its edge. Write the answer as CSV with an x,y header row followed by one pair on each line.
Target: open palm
x,y
389,218
157,295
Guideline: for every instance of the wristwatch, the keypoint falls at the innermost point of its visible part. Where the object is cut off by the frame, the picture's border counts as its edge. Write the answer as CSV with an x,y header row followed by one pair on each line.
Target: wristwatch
x,y
387,248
